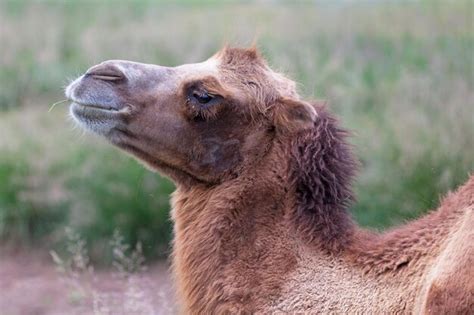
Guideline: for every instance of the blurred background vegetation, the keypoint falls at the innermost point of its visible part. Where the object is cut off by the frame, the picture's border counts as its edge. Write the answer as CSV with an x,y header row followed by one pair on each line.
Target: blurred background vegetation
x,y
399,74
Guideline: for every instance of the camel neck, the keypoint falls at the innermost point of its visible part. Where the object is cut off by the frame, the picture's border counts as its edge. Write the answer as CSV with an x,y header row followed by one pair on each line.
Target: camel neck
x,y
227,234
232,230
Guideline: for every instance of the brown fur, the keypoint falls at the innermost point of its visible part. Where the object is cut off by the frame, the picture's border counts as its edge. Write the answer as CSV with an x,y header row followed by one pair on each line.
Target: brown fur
x,y
321,174
263,186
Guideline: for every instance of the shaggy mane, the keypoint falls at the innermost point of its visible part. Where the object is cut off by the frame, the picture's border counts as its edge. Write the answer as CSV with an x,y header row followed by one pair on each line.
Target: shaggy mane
x,y
322,168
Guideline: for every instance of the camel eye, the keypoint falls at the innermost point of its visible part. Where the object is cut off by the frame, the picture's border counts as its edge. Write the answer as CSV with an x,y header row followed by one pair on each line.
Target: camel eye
x,y
202,105
203,97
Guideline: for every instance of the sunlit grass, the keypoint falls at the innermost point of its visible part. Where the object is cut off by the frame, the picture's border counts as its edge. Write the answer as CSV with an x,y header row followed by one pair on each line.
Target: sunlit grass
x,y
127,289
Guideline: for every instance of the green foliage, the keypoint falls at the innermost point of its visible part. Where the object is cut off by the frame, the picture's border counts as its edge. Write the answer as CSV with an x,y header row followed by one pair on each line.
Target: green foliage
x,y
20,218
126,196
400,76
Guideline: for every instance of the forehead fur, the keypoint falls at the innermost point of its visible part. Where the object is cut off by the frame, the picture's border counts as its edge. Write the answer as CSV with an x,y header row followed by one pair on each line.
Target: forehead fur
x,y
247,70
240,57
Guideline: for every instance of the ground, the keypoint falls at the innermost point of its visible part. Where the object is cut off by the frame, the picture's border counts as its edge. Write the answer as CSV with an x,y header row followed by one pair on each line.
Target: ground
x,y
31,284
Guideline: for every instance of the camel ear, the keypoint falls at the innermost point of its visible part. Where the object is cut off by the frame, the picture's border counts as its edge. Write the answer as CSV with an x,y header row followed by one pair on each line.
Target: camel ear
x,y
291,116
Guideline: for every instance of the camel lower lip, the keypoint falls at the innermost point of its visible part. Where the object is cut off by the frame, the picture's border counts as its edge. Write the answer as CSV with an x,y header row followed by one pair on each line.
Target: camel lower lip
x,y
96,114
98,119
97,111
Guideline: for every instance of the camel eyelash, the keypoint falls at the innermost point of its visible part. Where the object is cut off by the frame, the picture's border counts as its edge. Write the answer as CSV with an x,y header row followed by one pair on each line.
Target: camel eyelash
x,y
204,113
204,106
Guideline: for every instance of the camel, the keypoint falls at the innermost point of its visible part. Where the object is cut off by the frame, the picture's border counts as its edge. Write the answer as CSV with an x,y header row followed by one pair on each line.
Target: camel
x,y
260,212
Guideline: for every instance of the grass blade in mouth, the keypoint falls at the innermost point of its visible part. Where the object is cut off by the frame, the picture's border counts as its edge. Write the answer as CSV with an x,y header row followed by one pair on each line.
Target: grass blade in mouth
x,y
54,105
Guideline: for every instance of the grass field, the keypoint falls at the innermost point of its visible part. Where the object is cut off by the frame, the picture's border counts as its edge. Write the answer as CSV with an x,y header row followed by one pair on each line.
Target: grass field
x,y
400,75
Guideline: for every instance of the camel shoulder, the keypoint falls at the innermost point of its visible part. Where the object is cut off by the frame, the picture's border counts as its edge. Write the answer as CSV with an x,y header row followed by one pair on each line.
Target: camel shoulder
x,y
461,199
449,288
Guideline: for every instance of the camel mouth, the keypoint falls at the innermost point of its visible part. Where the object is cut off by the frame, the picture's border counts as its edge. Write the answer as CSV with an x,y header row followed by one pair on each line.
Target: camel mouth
x,y
96,107
96,111
99,119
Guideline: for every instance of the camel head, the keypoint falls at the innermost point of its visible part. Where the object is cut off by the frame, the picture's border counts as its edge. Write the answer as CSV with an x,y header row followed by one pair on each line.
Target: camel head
x,y
202,122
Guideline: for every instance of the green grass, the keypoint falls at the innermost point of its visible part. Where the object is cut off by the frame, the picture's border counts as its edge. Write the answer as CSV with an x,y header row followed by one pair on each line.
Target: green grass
x,y
56,178
399,75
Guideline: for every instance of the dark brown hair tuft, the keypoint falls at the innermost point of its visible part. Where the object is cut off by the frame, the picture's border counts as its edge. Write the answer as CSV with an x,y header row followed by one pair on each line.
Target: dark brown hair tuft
x,y
322,168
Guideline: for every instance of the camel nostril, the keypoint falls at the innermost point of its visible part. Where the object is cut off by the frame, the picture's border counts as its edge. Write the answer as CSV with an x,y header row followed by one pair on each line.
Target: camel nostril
x,y
105,73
